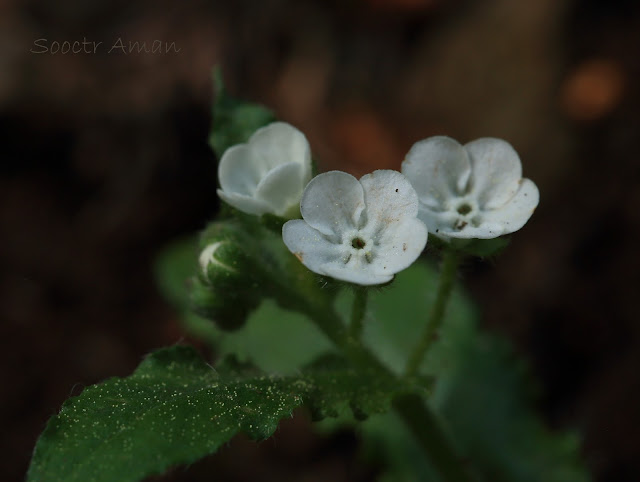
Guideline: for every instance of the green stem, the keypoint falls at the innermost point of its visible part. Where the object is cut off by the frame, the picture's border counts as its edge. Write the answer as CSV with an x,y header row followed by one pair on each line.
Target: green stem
x,y
415,413
419,418
332,326
357,313
428,430
436,316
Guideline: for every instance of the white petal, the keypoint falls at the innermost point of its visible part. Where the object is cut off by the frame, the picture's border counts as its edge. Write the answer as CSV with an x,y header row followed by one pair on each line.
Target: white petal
x,y
490,223
517,211
255,169
439,223
362,275
240,170
438,168
280,143
281,188
246,204
389,199
326,258
399,247
484,231
496,171
310,246
442,225
332,203
208,257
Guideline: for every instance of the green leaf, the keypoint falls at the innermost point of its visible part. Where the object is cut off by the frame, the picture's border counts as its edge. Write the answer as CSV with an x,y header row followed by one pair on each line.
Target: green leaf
x,y
234,120
173,268
276,340
175,409
482,248
487,404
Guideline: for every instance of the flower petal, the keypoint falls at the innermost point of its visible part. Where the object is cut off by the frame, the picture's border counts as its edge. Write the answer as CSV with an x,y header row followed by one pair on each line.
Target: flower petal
x,y
443,225
438,222
326,258
310,246
361,275
496,171
389,198
246,204
491,223
246,168
399,247
332,203
517,211
281,188
483,231
280,143
439,169
239,170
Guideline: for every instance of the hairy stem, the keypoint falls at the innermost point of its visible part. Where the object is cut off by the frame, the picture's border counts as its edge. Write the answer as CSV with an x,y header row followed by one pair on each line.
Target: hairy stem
x,y
358,312
436,316
420,419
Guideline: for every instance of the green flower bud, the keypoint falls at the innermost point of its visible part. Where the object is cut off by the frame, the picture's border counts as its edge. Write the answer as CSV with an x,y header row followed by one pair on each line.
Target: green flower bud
x,y
224,263
227,287
228,309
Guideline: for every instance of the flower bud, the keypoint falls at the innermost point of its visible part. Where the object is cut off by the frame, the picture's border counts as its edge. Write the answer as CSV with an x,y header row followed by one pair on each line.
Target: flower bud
x,y
224,262
228,309
226,289
267,173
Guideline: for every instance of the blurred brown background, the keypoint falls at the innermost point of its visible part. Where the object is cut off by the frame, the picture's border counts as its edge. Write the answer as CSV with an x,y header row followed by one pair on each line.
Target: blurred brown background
x,y
104,159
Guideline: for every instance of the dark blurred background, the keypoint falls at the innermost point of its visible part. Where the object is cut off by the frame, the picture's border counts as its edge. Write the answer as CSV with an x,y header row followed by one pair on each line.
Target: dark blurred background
x,y
104,159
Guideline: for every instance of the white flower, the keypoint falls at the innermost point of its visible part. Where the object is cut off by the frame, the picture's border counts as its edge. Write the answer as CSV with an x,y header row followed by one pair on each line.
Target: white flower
x,y
362,231
268,173
470,191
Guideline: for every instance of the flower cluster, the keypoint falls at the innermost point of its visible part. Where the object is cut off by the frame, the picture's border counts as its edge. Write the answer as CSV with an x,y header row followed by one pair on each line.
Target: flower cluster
x,y
364,231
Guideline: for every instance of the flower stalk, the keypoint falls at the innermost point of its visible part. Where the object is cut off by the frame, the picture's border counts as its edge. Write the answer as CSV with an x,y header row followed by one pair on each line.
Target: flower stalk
x,y
425,424
358,312
427,428
450,263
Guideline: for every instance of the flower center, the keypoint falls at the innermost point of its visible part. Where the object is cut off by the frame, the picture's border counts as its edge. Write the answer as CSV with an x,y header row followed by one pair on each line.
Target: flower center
x,y
464,209
358,243
464,212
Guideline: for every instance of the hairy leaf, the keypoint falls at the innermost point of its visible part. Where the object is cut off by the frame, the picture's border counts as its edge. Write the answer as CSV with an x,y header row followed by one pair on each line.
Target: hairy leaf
x,y
175,409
